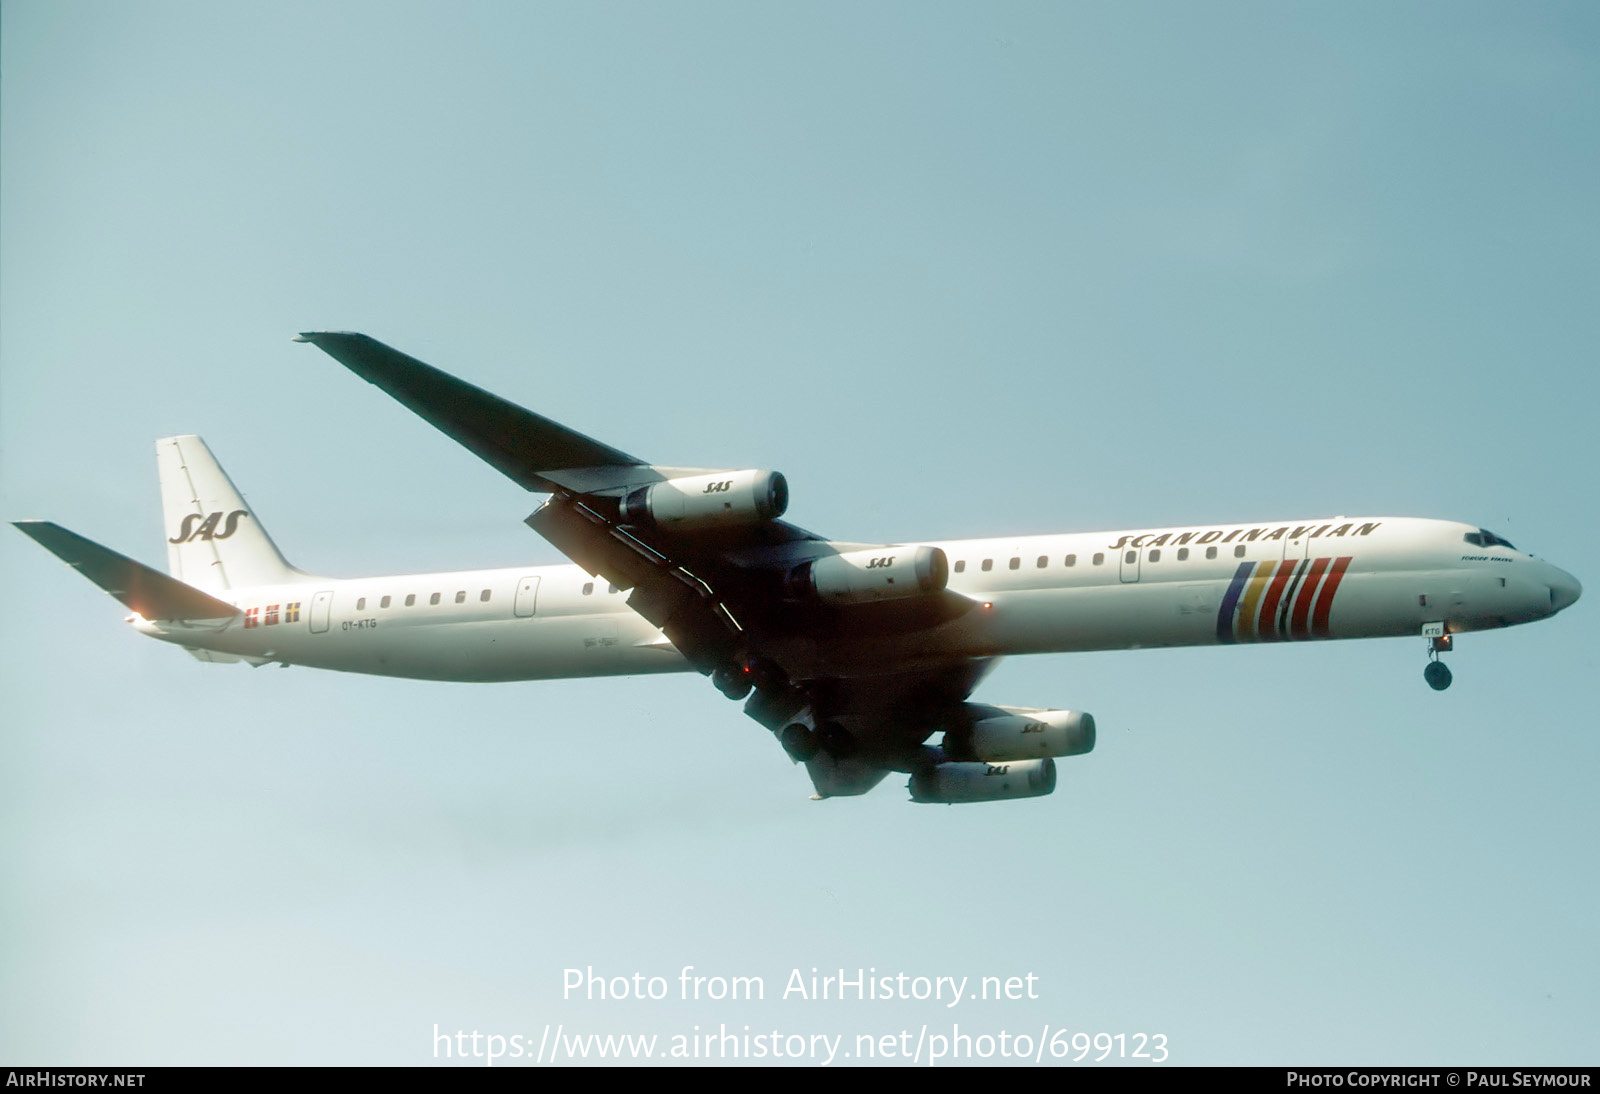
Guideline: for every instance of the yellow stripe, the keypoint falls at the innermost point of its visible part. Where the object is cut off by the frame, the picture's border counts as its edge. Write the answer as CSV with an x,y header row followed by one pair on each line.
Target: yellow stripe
x,y
1252,597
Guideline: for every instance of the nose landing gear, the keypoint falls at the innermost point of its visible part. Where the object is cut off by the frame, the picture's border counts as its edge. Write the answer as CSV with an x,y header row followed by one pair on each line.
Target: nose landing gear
x,y
1437,674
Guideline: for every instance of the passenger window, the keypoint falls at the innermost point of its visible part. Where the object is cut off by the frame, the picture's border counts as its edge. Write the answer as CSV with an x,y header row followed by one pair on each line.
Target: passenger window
x,y
411,600
1072,560
611,588
361,605
1155,556
1132,556
1211,552
461,596
1183,554
484,596
1016,563
434,599
1043,561
588,587
384,603
961,566
1099,557
1238,552
988,564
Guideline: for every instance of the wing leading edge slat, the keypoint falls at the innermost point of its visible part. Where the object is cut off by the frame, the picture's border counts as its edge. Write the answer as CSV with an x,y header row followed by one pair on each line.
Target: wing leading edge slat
x,y
518,443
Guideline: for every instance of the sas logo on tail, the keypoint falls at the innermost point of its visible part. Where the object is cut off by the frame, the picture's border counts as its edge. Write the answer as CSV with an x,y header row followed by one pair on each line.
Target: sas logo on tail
x,y
208,527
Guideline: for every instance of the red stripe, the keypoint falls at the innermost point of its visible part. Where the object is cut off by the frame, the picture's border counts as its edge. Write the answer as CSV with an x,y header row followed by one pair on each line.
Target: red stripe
x,y
1290,593
1302,602
1319,617
1267,630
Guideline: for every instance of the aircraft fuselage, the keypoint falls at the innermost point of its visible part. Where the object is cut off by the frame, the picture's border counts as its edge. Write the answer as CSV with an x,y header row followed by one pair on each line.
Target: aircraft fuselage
x,y
1206,585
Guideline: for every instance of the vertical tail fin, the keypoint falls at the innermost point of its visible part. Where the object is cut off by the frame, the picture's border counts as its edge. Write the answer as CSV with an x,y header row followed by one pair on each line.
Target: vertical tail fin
x,y
213,539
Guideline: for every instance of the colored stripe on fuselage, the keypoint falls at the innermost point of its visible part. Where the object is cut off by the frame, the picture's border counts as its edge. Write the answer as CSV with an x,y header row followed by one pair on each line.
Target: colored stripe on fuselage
x,y
1252,599
1330,585
1267,629
1230,601
1263,604
1305,598
1286,605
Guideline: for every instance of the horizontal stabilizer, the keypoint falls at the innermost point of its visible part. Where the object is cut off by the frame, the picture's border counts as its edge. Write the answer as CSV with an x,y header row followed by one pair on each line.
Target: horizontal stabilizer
x,y
530,449
149,592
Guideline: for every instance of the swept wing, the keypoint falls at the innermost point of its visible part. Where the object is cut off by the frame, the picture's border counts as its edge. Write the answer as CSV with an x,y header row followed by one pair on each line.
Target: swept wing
x,y
717,593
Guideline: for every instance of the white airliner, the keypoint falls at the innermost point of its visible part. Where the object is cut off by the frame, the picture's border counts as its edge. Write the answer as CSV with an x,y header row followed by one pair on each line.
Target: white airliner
x,y
853,654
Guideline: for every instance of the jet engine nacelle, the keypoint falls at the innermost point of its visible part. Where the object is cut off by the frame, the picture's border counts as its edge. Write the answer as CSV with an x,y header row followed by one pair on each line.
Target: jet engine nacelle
x,y
723,499
1019,733
879,573
956,783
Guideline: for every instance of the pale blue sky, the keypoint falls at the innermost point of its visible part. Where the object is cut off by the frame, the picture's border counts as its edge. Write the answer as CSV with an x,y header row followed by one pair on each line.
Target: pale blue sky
x,y
956,270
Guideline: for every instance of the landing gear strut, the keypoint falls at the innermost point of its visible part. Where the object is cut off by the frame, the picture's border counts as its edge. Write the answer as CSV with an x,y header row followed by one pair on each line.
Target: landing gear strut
x,y
1437,674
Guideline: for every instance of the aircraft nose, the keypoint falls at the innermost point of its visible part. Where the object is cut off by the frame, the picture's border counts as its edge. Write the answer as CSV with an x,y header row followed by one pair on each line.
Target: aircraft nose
x,y
1564,590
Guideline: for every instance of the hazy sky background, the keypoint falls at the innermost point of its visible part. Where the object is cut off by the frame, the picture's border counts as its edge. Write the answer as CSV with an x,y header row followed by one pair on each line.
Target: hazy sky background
x,y
956,270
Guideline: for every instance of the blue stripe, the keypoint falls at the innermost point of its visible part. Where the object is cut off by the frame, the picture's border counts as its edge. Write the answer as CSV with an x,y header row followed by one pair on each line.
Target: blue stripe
x,y
1231,601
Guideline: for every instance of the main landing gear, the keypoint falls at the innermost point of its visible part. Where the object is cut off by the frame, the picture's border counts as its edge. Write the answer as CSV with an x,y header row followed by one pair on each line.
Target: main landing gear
x,y
802,743
778,701
1437,674
738,678
799,742
732,681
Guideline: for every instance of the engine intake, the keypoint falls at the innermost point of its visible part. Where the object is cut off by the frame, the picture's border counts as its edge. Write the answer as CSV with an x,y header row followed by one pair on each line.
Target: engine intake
x,y
958,783
996,733
878,573
723,499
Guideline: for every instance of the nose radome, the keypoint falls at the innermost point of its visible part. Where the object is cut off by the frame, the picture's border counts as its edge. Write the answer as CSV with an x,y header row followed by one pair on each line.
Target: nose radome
x,y
1564,590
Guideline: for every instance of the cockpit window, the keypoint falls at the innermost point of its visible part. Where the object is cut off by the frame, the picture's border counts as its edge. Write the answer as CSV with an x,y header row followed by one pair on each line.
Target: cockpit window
x,y
1485,538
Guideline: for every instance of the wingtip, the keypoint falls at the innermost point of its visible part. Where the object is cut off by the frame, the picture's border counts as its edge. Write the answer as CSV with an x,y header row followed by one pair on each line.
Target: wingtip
x,y
313,335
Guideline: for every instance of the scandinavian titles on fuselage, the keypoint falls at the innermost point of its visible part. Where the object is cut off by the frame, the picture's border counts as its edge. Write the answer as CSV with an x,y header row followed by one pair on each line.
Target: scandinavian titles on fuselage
x,y
1246,535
